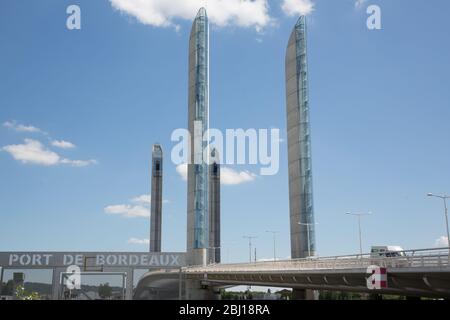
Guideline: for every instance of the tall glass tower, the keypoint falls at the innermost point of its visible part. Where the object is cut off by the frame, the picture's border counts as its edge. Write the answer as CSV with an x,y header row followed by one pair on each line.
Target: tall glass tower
x,y
197,206
299,145
214,208
156,199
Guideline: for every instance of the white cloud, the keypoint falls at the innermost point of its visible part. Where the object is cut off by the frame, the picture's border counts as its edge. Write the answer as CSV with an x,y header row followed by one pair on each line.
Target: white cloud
x,y
441,242
228,176
163,13
297,7
79,163
20,127
8,124
63,144
359,3
128,211
182,171
144,199
140,208
34,152
138,241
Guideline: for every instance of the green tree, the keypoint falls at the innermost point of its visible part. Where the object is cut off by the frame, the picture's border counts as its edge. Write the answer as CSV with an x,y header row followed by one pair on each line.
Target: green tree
x,y
285,294
105,291
22,294
8,288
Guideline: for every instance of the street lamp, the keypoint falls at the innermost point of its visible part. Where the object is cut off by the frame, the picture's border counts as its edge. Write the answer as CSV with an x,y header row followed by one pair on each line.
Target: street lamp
x,y
274,233
444,198
359,215
250,245
308,225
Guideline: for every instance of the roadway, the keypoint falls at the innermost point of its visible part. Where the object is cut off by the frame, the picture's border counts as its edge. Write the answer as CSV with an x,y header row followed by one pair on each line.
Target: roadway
x,y
423,273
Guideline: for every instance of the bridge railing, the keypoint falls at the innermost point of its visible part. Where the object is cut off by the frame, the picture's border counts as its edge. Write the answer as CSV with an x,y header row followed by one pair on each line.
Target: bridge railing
x,y
436,257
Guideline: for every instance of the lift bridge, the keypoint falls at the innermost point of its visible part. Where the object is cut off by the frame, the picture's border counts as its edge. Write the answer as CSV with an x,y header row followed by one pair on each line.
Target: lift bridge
x,y
417,273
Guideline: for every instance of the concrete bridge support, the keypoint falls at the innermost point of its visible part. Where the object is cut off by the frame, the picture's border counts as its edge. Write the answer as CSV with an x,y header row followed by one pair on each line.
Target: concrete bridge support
x,y
305,294
194,290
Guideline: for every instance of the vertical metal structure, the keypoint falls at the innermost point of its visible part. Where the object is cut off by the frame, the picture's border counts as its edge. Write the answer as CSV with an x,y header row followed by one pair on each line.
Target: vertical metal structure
x,y
214,207
197,206
156,199
299,144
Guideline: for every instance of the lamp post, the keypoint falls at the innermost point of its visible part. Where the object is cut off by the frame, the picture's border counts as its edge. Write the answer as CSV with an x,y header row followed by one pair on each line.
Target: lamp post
x,y
444,198
250,246
274,234
359,215
308,225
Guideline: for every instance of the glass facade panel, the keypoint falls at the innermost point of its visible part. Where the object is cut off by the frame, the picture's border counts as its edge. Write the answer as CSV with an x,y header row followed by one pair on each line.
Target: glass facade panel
x,y
299,144
198,111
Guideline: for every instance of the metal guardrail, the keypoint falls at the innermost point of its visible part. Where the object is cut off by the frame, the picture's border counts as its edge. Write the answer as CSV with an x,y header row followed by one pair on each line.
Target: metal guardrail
x,y
437,257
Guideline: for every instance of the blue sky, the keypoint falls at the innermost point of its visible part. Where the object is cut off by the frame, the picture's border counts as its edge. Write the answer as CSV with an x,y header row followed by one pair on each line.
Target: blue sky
x,y
379,112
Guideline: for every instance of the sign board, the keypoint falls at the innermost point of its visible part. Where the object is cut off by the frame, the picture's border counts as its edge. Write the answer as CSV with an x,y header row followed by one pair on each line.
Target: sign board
x,y
92,259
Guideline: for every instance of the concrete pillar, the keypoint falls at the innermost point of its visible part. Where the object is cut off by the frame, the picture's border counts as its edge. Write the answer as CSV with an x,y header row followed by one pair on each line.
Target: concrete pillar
x,y
214,208
195,291
129,284
1,278
197,257
156,203
57,283
375,296
305,294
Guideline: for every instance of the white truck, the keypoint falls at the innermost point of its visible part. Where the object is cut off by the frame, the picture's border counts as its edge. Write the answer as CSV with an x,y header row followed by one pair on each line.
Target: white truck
x,y
395,254
387,251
